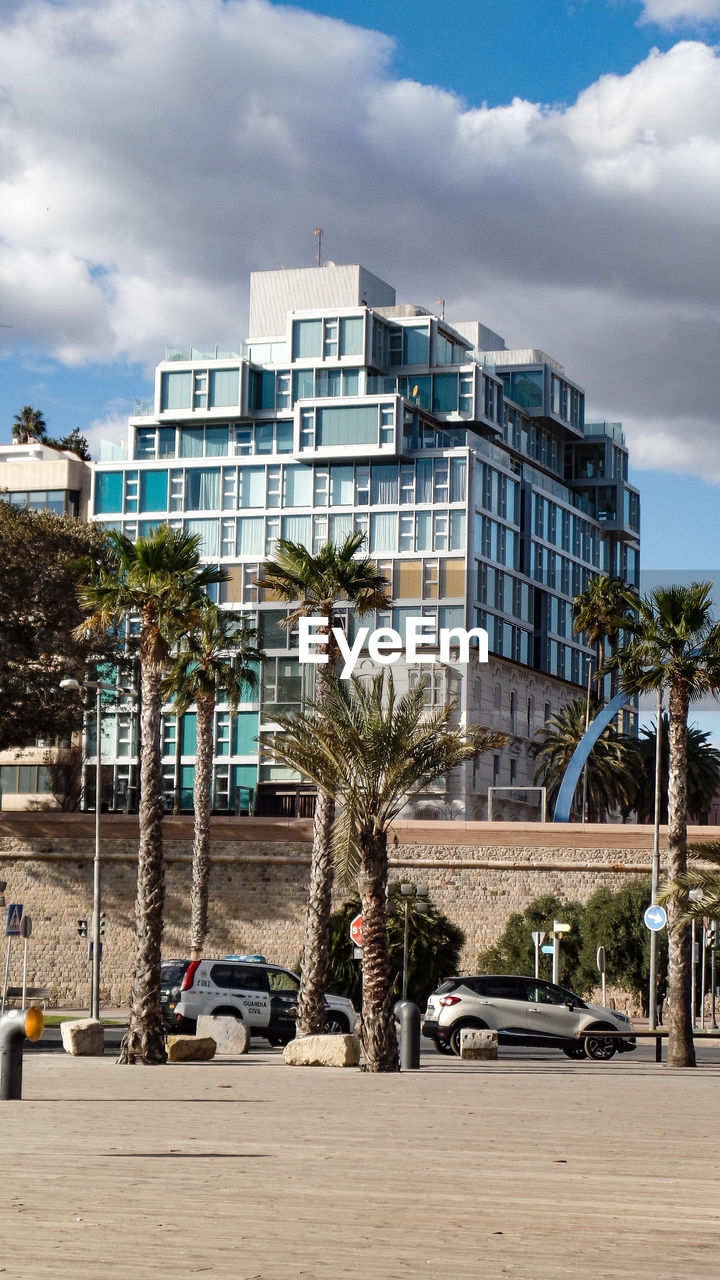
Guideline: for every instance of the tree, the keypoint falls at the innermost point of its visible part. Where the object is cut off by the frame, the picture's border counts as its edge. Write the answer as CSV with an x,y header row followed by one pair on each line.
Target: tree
x,y
160,580
602,611
701,877
615,922
216,658
674,644
28,424
610,767
73,443
434,946
315,584
703,774
374,751
38,613
514,951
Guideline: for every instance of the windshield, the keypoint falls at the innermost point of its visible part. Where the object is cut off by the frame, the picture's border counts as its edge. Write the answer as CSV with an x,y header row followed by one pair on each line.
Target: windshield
x,y
173,972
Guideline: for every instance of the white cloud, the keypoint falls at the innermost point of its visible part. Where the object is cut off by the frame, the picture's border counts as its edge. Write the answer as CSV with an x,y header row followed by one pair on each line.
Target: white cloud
x,y
175,145
670,13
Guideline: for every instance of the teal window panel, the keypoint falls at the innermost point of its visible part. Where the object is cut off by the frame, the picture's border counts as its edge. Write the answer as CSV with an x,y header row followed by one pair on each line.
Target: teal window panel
x,y
224,388
451,615
284,432
217,442
187,780
458,469
303,384
176,391
248,694
108,492
416,345
264,437
147,527
352,335
166,442
307,339
457,530
153,490
526,389
445,393
423,531
351,382
202,489
188,734
192,440
245,727
348,424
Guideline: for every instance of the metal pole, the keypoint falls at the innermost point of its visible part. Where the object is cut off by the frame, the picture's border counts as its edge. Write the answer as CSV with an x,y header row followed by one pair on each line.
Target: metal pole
x,y
587,724
693,975
712,974
405,952
537,956
655,874
702,979
7,973
556,957
95,988
24,981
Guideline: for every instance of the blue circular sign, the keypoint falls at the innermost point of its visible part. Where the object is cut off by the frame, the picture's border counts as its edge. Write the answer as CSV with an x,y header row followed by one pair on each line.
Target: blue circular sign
x,y
655,918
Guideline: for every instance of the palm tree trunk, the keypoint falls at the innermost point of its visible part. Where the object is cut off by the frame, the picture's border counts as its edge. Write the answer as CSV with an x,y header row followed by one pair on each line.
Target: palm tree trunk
x,y
681,1049
201,827
144,1039
378,1023
316,947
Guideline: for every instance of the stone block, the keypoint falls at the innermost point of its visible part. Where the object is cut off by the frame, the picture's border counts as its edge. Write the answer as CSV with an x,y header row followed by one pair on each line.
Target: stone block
x,y
190,1048
83,1038
323,1051
478,1045
231,1035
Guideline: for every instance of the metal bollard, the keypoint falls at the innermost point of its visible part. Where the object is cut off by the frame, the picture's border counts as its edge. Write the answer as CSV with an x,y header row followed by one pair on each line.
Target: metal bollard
x,y
15,1027
408,1015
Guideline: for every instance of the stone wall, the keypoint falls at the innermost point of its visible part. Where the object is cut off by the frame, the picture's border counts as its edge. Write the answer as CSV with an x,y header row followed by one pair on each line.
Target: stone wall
x,y
478,873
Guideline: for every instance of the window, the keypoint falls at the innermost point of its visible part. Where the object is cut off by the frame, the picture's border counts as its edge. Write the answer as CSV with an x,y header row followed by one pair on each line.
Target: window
x,y
307,339
224,388
341,486
416,344
153,490
202,489
408,579
108,492
176,390
351,424
352,335
384,485
298,486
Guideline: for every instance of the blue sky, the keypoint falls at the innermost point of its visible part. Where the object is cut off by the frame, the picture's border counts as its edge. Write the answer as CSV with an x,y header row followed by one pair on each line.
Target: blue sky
x,y
551,168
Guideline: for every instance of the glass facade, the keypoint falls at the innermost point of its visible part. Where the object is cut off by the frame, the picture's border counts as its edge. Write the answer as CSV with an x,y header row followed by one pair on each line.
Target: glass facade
x,y
484,497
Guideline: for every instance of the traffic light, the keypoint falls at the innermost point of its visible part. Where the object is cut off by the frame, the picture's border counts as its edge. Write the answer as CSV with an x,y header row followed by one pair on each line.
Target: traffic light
x,y
82,928
711,937
103,922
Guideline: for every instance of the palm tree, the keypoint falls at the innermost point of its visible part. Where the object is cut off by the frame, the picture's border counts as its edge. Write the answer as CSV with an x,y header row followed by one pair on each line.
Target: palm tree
x,y
675,644
160,580
216,658
602,611
611,766
373,751
28,424
315,584
703,773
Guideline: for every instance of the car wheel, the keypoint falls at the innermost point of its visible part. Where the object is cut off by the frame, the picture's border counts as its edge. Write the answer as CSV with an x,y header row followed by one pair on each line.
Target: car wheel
x,y
599,1047
335,1025
575,1051
442,1046
475,1025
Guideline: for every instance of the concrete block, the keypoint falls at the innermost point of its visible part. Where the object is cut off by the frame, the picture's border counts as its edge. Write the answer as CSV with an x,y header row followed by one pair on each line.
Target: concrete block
x,y
83,1038
230,1034
323,1051
190,1048
478,1045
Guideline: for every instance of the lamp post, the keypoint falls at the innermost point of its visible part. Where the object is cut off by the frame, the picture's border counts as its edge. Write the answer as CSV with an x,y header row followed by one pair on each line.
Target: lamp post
x,y
655,875
99,686
418,892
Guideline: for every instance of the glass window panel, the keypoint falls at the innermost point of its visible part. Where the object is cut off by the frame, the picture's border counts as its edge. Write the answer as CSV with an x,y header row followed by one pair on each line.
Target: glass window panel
x,y
145,442
526,389
153,490
27,779
328,383
352,333
245,727
188,734
284,432
416,345
307,339
458,469
452,615
383,532
457,531
108,492
424,481
445,393
348,425
217,442
264,437
298,486
251,486
176,391
272,634
192,440
385,485
341,486
209,532
297,529
224,387
408,579
202,489
251,536
423,528
351,382
166,442
340,528
452,577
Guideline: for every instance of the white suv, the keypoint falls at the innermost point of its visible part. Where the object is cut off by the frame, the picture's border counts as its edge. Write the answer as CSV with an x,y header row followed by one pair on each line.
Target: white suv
x,y
261,994
524,1011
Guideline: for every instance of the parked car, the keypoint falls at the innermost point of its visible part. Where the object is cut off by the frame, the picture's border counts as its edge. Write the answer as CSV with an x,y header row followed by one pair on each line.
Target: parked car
x,y
263,995
524,1011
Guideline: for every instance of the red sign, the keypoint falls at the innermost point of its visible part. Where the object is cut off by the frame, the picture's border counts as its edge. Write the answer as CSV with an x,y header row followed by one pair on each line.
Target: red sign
x,y
356,930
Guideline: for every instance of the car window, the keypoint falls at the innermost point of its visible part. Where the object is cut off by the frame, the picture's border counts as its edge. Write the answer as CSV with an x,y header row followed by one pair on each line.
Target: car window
x,y
501,989
172,972
448,985
544,993
280,980
239,977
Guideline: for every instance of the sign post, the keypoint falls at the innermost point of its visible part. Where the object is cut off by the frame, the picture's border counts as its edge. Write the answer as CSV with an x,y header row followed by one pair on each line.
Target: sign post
x,y
600,961
25,931
12,930
537,937
558,930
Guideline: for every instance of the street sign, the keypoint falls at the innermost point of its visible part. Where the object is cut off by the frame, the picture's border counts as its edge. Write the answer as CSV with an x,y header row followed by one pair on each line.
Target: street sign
x,y
548,949
26,927
91,949
655,918
600,959
559,927
356,930
538,936
12,920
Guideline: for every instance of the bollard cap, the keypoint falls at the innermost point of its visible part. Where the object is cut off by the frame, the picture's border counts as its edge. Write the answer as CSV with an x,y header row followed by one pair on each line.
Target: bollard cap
x,y
34,1023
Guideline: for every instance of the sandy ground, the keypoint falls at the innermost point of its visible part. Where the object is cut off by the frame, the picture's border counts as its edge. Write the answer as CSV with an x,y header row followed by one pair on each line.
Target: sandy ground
x,y
250,1170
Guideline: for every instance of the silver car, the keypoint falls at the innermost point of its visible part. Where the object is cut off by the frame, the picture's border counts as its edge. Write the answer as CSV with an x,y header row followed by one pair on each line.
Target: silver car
x,y
524,1011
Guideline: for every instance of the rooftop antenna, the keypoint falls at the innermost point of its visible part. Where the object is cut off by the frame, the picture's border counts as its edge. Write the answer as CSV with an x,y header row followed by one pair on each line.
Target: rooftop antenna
x,y
440,302
319,233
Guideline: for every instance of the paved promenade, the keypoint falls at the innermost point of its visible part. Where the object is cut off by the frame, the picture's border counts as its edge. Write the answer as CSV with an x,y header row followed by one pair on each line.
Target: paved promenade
x,y
249,1170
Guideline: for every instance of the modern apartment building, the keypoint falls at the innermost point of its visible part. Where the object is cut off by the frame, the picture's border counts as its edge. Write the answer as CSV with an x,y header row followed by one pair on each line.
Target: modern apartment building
x,y
486,499
39,478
